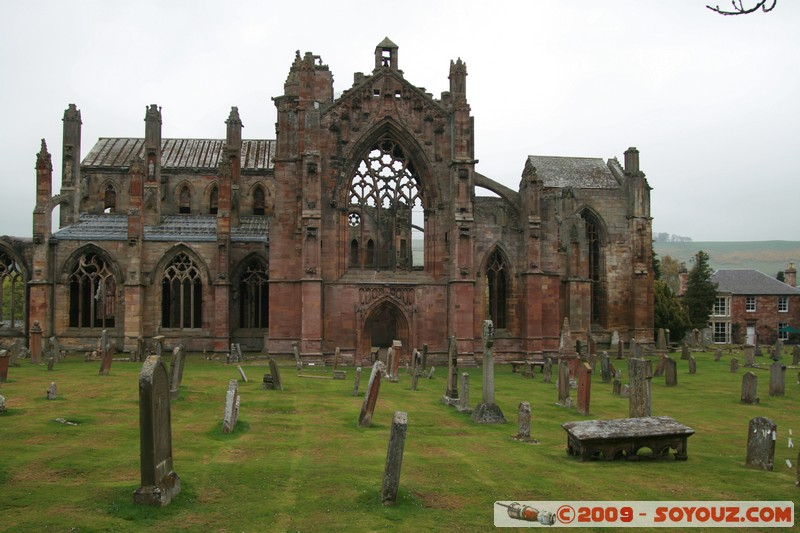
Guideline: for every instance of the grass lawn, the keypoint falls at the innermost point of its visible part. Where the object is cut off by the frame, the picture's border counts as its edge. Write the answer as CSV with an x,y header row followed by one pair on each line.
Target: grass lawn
x,y
297,460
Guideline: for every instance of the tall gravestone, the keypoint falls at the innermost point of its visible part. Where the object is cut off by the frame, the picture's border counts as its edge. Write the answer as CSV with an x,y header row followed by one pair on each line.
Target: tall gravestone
x,y
563,383
749,388
717,355
639,400
749,356
584,388
394,458
761,436
276,374
734,365
297,362
357,381
424,356
463,400
52,391
547,370
684,351
390,364
397,346
36,343
488,412
620,349
160,483
106,353
336,355
523,422
662,361
777,379
692,365
451,390
176,371
371,396
232,402
661,342
671,371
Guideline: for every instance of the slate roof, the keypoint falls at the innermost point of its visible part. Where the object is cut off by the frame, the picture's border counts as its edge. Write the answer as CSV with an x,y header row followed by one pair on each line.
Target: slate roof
x,y
578,172
184,228
751,282
116,153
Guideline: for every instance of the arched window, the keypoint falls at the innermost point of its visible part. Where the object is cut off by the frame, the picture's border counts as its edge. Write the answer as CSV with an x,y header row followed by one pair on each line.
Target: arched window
x,y
109,199
596,269
370,253
185,199
213,201
12,293
182,294
92,293
354,262
385,193
258,200
496,289
254,295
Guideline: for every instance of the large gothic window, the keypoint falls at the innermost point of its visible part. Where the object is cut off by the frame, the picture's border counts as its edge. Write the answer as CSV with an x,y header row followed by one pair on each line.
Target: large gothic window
x,y
497,289
182,294
12,293
92,293
596,270
254,295
385,207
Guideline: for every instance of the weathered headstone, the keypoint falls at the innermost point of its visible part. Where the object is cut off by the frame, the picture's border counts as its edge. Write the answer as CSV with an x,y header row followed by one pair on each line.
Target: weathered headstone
x,y
528,370
547,370
620,349
777,379
488,412
357,381
734,365
415,377
51,361
661,340
718,355
241,373
276,374
614,340
451,390
749,388
397,346
684,351
340,374
584,388
662,361
671,371
523,422
158,344
138,351
592,346
749,356
463,400
54,348
563,382
336,354
394,458
159,481
15,351
36,342
52,392
371,396
5,362
777,349
640,372
616,387
268,383
176,371
232,402
297,362
106,353
692,365
430,374
761,436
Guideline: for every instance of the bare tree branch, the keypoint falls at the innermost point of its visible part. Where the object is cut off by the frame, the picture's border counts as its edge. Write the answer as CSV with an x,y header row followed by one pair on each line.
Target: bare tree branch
x,y
740,9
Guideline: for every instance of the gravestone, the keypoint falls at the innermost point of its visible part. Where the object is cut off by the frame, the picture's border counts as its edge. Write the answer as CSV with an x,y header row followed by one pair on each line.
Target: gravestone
x,y
5,362
14,350
371,396
138,351
394,458
106,353
734,365
692,365
158,345
547,370
749,356
614,340
357,381
584,388
336,354
488,412
777,379
430,374
424,356
795,355
415,377
52,393
592,360
36,342
2,404
661,342
592,347
232,402
297,362
51,361
397,347
528,370
340,374
463,400
717,355
662,361
451,390
777,349
176,371
55,348
684,351
671,371
761,436
523,422
276,374
241,373
749,388
265,344
563,382
160,483
620,350
640,372
616,387
268,383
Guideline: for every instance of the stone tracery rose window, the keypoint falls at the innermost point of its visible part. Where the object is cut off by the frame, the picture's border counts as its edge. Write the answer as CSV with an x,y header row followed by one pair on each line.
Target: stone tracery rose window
x,y
385,207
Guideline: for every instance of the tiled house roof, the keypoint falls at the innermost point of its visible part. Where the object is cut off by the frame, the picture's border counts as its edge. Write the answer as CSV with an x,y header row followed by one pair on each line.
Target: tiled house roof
x,y
751,282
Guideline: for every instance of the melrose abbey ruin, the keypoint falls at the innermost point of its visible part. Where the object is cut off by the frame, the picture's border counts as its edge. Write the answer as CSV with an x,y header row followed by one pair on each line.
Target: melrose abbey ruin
x,y
363,221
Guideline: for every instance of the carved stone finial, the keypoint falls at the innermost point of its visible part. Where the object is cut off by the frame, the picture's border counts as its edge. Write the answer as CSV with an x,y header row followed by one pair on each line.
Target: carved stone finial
x,y
43,159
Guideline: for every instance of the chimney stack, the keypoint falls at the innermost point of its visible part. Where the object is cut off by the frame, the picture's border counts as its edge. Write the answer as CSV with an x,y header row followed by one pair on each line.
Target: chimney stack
x,y
790,276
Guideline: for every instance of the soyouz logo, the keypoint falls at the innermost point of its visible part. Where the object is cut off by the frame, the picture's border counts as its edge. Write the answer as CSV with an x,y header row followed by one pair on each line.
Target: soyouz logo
x,y
644,514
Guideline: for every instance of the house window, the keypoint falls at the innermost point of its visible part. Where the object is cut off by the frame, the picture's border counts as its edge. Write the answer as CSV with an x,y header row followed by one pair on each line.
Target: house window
x,y
783,334
750,304
720,332
721,307
92,293
12,293
783,304
254,295
497,289
182,294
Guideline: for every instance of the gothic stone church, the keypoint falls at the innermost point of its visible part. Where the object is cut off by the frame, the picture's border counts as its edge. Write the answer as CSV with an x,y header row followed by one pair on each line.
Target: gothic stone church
x,y
364,221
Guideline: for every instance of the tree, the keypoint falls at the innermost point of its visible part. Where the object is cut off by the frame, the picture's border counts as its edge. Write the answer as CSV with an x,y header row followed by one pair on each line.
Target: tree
x,y
739,9
701,292
669,313
781,277
670,273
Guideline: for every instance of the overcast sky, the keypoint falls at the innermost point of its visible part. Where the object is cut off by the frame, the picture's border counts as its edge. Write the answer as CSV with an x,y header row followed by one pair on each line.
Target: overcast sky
x,y
711,102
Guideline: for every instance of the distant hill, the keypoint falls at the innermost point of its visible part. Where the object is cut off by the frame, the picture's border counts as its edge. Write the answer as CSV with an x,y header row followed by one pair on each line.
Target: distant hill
x,y
769,257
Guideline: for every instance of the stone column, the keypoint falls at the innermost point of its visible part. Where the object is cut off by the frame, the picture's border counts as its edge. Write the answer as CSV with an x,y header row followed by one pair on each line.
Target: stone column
x,y
394,458
451,392
488,412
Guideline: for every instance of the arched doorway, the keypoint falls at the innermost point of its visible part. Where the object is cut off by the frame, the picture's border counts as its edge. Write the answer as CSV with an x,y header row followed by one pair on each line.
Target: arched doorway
x,y
385,322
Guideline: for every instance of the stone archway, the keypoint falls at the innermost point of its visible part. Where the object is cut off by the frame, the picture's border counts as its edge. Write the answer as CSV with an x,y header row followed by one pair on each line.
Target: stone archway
x,y
385,322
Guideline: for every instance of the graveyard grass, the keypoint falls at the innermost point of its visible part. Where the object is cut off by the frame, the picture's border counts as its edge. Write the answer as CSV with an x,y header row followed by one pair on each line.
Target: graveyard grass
x,y
297,460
